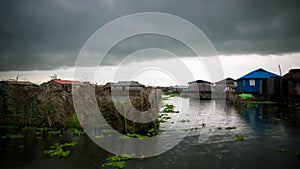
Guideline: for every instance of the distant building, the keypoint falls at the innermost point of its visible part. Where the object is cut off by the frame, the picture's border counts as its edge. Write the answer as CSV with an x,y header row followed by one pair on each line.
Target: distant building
x,y
290,83
180,89
61,85
253,81
199,86
222,87
225,85
16,83
228,82
199,89
133,87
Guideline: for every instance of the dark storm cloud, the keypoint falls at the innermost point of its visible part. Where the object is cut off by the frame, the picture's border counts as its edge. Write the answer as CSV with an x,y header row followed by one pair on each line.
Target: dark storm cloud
x,y
44,34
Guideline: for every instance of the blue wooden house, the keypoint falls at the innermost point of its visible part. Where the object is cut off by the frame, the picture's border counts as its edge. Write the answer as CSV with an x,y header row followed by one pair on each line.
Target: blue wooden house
x,y
253,81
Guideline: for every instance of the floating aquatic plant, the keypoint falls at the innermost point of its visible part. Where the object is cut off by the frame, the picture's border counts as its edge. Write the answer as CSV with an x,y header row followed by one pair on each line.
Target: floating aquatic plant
x,y
8,127
117,161
12,136
240,137
183,121
139,136
77,132
99,136
52,133
230,128
169,108
276,119
59,150
281,150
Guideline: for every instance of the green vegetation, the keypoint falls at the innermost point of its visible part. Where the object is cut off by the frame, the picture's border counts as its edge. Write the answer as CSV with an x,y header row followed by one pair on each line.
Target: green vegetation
x,y
281,150
136,135
52,133
12,136
276,119
37,107
100,136
261,102
151,132
117,161
240,137
8,127
164,118
77,132
73,122
230,128
195,128
124,137
30,128
107,131
276,133
169,108
173,94
60,150
245,96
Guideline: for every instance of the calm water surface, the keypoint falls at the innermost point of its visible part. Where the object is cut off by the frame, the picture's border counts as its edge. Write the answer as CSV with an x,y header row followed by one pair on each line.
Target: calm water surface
x,y
208,144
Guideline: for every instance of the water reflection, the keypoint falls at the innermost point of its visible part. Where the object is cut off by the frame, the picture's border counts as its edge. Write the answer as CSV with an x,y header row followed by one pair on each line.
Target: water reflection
x,y
266,129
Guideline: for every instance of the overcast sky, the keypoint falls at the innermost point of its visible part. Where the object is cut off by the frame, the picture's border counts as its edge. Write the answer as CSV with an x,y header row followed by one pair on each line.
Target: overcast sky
x,y
39,38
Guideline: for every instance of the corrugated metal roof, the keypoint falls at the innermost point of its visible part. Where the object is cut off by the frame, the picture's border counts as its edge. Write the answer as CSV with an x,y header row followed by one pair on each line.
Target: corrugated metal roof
x,y
226,81
66,82
128,83
199,81
258,74
293,74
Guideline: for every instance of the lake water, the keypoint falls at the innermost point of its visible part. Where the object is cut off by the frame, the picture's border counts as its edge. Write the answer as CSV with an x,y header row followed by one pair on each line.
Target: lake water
x,y
271,133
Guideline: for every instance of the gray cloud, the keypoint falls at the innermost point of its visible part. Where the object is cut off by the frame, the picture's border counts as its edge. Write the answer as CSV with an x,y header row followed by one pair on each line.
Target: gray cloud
x,y
45,35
